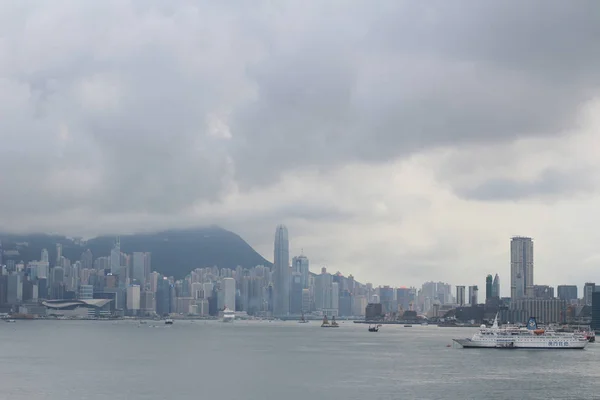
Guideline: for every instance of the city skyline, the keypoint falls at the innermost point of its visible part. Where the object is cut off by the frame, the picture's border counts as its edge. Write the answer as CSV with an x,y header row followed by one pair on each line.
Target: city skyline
x,y
479,281
125,284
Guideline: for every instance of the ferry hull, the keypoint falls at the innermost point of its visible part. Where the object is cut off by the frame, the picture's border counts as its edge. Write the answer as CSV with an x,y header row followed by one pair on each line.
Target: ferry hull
x,y
566,345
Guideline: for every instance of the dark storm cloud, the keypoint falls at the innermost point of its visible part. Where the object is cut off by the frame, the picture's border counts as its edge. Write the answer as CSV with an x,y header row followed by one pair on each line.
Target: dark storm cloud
x,y
419,75
106,104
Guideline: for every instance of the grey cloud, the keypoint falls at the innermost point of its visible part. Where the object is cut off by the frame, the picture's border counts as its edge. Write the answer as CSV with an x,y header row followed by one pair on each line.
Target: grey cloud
x,y
319,84
548,184
422,75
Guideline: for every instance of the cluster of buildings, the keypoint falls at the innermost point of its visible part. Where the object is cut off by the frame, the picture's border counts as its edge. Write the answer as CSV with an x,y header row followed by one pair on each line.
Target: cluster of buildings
x,y
526,297
125,284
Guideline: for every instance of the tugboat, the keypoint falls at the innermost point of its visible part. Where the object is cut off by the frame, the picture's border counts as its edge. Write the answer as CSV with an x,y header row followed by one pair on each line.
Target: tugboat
x,y
326,323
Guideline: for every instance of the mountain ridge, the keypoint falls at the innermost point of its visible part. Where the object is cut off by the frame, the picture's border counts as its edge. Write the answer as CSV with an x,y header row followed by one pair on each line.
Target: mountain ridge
x,y
174,252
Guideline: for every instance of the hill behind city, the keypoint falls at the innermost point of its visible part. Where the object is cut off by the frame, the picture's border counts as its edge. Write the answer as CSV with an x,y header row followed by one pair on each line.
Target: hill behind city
x,y
174,252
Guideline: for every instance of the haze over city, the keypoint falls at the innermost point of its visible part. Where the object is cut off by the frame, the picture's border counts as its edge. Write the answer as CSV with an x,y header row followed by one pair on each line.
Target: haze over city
x,y
401,143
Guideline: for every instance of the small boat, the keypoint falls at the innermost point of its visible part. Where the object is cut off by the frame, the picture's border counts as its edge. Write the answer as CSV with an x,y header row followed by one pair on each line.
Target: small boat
x,y
374,328
302,320
10,320
168,321
408,326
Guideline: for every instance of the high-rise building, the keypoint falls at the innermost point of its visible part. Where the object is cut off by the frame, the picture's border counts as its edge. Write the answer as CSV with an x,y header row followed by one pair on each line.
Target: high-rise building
x,y
139,268
58,253
228,287
133,299
163,296
588,289
460,295
115,257
296,293
300,265
281,273
405,296
44,256
521,267
87,259
473,295
86,292
567,292
488,287
543,292
595,311
496,287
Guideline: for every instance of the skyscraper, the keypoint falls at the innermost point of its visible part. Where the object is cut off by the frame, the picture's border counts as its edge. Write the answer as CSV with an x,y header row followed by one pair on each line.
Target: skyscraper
x,y
139,268
300,265
281,273
44,256
488,286
473,295
521,267
58,253
496,287
228,287
115,257
460,295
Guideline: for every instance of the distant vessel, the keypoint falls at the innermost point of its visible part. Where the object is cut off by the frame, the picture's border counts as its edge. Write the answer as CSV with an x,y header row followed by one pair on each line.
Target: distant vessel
x,y
302,320
407,325
326,324
522,338
168,321
228,315
374,328
10,320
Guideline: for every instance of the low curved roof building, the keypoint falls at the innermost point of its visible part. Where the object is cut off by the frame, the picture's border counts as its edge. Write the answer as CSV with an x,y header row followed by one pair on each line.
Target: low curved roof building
x,y
78,308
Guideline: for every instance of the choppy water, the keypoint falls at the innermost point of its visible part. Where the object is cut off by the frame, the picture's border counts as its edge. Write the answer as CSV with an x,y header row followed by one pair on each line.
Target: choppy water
x,y
64,360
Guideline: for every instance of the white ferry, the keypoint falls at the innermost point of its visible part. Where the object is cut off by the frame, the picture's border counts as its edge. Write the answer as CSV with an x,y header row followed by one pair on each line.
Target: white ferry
x,y
228,315
522,338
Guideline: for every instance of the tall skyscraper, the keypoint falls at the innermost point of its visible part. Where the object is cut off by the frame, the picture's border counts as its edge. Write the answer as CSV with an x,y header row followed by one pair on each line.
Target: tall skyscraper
x,y
115,257
473,295
300,265
58,253
588,289
460,295
281,275
44,256
488,286
228,287
521,267
87,259
496,287
139,268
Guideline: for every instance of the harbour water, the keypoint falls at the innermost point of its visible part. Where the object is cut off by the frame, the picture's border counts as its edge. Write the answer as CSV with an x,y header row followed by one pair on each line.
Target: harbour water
x,y
69,360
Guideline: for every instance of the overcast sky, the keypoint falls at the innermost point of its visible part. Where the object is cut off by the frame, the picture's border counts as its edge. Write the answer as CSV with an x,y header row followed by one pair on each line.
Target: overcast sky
x,y
398,141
